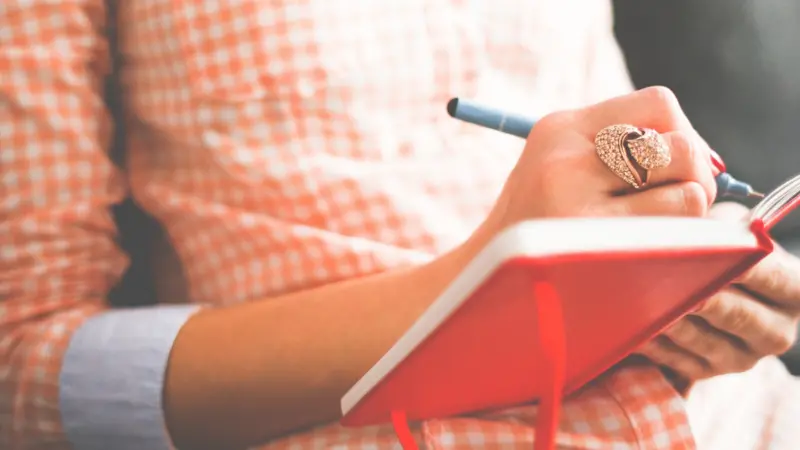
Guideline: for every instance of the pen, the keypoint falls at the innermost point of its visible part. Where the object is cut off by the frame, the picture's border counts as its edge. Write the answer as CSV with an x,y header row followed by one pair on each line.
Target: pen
x,y
520,126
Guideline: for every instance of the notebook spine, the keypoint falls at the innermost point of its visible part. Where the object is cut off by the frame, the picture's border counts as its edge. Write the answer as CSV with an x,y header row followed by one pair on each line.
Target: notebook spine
x,y
760,229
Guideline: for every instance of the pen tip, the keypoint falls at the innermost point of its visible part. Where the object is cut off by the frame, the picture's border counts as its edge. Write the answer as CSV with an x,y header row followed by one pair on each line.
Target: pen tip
x,y
756,194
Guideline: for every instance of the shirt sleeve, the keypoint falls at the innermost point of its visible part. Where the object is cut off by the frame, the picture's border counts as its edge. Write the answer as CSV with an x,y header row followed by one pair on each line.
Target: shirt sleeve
x,y
73,373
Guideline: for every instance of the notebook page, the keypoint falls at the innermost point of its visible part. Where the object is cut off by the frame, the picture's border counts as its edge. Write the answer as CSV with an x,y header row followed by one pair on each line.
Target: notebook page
x,y
781,201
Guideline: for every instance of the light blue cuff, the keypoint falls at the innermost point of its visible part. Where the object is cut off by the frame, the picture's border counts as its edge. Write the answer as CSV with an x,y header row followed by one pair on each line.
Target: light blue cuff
x,y
112,379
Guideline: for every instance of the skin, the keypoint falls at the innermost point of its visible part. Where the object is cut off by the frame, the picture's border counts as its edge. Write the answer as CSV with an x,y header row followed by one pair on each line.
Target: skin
x,y
734,329
241,375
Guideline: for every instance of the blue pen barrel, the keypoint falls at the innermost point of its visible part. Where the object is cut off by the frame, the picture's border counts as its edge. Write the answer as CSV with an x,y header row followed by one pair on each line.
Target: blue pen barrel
x,y
491,118
520,126
727,186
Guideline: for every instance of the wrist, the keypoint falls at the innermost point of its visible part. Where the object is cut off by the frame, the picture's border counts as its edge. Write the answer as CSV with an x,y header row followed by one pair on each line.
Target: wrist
x,y
483,234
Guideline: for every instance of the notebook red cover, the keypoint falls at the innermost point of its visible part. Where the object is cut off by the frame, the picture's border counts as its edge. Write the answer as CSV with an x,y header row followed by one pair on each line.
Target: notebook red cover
x,y
551,304
617,282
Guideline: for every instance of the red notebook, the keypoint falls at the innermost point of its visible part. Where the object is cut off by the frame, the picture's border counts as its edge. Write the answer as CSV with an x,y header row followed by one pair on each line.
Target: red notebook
x,y
549,305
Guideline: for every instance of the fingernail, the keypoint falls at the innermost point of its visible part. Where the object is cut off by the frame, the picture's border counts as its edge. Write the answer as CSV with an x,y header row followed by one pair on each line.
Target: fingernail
x,y
716,160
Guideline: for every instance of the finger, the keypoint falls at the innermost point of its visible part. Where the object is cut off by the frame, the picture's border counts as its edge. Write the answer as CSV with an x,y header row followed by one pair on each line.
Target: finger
x,y
680,199
691,161
722,352
776,279
764,329
664,352
653,107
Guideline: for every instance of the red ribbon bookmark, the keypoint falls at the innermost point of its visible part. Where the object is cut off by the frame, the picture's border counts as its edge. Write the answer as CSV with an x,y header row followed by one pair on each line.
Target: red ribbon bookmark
x,y
553,346
403,432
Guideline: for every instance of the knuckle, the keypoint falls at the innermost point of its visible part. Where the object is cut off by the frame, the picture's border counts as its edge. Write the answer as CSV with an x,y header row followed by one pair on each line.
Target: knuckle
x,y
658,351
649,349
711,307
735,320
685,334
773,281
662,97
694,200
555,121
663,352
777,277
682,146
716,359
751,276
726,312
741,362
693,369
780,342
729,359
691,151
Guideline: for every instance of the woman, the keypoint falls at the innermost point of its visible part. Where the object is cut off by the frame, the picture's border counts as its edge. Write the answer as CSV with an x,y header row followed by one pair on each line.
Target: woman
x,y
317,200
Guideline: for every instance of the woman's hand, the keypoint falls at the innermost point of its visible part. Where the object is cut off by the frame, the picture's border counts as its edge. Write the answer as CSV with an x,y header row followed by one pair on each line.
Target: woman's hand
x,y
738,326
559,173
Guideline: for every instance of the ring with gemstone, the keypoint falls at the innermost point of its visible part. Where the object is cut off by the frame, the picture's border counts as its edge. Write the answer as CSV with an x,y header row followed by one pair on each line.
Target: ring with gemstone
x,y
632,152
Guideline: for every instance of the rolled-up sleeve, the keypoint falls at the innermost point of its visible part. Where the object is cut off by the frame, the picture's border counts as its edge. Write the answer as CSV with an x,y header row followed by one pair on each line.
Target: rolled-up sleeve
x,y
113,376
73,373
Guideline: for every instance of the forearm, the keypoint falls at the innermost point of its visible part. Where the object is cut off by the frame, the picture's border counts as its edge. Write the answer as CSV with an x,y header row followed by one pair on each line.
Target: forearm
x,y
246,374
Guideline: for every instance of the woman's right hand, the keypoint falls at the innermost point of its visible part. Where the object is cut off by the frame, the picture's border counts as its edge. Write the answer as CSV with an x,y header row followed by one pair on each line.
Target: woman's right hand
x,y
559,173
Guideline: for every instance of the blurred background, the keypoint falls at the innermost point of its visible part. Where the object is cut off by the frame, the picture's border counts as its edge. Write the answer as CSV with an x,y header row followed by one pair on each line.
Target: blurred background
x,y
735,67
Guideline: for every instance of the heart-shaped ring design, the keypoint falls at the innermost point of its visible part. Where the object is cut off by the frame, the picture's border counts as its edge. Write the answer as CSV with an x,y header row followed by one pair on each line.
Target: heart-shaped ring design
x,y
632,152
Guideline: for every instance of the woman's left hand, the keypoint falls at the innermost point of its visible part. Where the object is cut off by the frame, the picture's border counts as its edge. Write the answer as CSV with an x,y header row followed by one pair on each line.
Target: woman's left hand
x,y
756,317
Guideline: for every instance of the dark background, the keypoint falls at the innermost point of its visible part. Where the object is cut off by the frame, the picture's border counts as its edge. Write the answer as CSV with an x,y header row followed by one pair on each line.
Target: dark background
x,y
735,67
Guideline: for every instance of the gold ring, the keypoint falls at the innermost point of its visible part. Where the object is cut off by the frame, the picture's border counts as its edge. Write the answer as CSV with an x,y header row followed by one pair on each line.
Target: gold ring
x,y
632,152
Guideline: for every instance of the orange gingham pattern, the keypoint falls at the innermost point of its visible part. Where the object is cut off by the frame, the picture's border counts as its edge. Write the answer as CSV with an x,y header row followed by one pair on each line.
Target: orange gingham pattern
x,y
263,190
58,257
